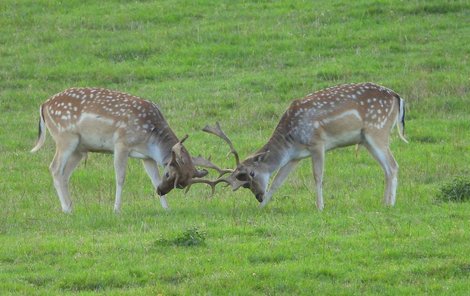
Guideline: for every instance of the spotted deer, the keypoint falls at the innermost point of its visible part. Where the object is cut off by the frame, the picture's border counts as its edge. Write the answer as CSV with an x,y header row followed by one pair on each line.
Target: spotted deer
x,y
82,120
335,117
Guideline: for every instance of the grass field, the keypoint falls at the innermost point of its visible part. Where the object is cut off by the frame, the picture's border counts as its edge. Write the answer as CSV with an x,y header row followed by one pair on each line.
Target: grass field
x,y
240,63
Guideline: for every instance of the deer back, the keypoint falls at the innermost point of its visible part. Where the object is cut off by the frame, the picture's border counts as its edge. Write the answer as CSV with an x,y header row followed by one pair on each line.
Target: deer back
x,y
101,116
341,114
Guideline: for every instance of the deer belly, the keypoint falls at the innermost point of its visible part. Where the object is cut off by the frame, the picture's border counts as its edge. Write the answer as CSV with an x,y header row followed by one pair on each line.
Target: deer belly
x,y
97,136
342,139
136,154
343,133
96,143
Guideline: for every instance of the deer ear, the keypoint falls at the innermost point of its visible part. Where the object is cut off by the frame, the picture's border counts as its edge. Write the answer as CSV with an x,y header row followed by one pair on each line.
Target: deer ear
x,y
200,173
260,156
173,157
242,177
176,155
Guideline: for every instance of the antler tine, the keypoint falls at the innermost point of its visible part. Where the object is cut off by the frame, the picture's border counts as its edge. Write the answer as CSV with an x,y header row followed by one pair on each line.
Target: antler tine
x,y
183,139
219,133
208,182
203,162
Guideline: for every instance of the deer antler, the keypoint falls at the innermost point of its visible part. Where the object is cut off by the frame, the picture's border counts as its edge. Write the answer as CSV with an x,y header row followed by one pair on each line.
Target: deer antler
x,y
208,182
219,133
234,182
183,139
203,162
230,180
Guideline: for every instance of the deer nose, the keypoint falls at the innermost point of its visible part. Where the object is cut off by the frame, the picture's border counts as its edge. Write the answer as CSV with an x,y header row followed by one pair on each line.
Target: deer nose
x,y
259,197
159,191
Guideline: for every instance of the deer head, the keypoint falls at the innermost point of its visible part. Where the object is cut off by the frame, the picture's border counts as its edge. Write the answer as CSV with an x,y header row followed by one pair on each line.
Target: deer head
x,y
252,173
180,170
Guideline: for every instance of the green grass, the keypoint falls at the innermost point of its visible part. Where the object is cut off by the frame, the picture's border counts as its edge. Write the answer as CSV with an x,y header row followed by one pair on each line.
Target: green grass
x,y
240,63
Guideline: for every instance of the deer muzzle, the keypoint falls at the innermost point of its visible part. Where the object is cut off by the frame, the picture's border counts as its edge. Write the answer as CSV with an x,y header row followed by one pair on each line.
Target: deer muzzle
x,y
163,191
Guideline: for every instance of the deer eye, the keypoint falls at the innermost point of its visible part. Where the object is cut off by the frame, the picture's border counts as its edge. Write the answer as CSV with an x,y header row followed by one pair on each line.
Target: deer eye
x,y
252,174
167,175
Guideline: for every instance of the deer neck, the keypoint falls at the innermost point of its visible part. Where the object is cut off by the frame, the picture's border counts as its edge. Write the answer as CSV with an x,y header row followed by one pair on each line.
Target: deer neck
x,y
280,151
164,139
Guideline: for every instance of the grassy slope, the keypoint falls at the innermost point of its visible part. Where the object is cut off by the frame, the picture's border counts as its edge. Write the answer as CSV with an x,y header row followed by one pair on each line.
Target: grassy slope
x,y
239,63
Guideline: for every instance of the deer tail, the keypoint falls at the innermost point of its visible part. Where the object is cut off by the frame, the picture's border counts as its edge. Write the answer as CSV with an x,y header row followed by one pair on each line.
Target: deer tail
x,y
401,119
41,131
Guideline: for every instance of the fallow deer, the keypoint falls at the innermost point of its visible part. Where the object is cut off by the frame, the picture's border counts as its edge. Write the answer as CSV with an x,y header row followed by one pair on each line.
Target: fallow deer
x,y
82,120
335,117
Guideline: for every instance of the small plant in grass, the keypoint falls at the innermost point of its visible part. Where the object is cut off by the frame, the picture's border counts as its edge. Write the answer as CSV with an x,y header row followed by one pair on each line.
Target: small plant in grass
x,y
189,238
457,190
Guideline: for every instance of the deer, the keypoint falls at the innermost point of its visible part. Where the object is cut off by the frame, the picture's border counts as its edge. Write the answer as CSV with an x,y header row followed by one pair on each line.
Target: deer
x,y
339,116
82,120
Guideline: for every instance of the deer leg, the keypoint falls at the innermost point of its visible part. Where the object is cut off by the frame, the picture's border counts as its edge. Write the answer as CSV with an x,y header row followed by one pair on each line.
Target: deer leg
x,y
152,171
72,163
59,183
62,163
120,164
390,167
393,190
279,179
318,160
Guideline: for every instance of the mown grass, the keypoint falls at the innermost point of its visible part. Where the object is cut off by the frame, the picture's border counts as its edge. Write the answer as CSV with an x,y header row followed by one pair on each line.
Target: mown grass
x,y
239,63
